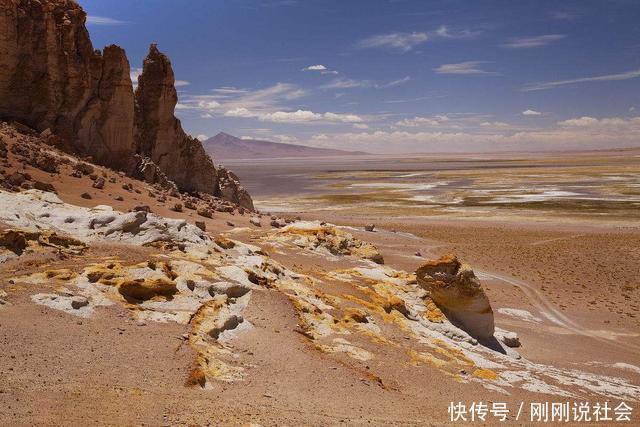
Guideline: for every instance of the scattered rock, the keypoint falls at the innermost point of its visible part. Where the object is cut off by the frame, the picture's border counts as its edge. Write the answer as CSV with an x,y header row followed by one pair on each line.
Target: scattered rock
x,y
118,198
44,186
78,302
205,212
201,225
83,168
255,221
16,179
369,227
98,183
230,224
177,207
45,162
224,243
86,196
511,339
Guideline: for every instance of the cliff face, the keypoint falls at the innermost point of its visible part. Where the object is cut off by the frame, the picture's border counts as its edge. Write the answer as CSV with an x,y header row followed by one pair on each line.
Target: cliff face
x,y
159,134
52,78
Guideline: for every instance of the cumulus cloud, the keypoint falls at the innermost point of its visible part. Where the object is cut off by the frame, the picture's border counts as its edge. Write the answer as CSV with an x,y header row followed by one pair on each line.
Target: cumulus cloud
x,y
495,125
535,41
572,134
319,68
423,121
299,116
401,42
467,67
604,78
531,113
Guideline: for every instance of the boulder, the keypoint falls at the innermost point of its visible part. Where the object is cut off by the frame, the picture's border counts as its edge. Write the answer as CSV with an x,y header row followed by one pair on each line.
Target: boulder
x,y
44,186
457,292
98,183
510,339
205,212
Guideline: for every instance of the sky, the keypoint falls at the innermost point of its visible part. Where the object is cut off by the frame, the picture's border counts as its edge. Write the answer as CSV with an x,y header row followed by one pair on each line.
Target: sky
x,y
394,76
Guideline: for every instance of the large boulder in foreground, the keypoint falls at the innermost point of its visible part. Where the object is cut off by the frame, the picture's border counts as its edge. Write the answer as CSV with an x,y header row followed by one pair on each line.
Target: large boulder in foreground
x,y
457,292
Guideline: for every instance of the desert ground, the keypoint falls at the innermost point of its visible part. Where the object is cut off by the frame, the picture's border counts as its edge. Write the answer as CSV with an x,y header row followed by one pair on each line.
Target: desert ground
x,y
273,319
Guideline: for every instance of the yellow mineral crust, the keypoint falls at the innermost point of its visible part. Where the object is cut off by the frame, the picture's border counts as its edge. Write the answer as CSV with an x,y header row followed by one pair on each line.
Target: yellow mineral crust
x,y
318,235
19,240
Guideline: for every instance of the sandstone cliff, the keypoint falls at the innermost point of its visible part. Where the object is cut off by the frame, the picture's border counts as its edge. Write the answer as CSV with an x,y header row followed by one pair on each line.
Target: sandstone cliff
x,y
52,78
159,134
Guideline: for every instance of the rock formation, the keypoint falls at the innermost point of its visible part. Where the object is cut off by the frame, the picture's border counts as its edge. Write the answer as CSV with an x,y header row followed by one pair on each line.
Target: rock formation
x,y
53,80
159,134
457,292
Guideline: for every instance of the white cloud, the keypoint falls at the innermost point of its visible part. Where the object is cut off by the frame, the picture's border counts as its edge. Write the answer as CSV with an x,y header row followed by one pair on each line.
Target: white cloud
x,y
240,101
202,137
394,83
573,134
444,32
299,116
402,42
134,74
495,125
361,126
423,121
240,112
345,83
467,67
535,41
531,113
607,77
180,83
104,20
318,67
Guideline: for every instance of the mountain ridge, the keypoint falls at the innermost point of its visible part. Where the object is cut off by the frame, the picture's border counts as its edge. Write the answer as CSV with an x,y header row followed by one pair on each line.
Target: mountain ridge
x,y
225,146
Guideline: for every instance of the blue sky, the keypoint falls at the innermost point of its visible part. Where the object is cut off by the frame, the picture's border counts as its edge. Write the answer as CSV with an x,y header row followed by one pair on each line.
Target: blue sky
x,y
395,75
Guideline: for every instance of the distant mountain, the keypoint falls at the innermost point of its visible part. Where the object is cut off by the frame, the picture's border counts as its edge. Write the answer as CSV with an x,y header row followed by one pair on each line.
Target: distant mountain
x,y
224,146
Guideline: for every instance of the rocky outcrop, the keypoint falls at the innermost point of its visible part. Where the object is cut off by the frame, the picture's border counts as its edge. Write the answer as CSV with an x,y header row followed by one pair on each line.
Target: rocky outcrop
x,y
159,134
53,80
230,189
456,290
